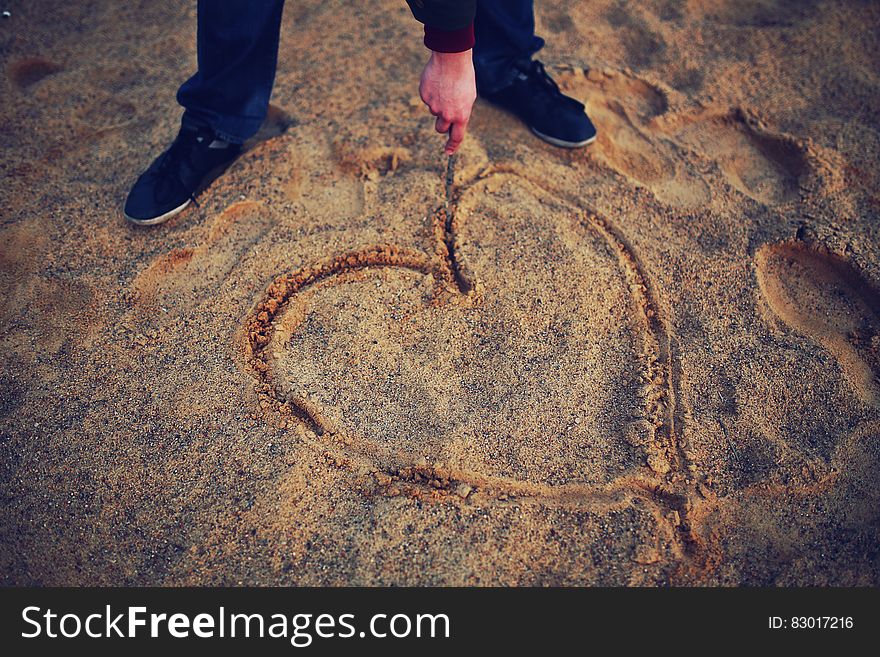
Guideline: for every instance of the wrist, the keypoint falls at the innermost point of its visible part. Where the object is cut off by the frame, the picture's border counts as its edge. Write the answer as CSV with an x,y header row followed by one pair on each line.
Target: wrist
x,y
453,60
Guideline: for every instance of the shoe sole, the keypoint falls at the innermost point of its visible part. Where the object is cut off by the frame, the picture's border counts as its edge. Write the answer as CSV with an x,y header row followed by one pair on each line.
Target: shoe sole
x,y
212,175
561,142
161,218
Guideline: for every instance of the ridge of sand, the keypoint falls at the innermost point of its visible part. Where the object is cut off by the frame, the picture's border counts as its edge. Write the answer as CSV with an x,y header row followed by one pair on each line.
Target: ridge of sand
x,y
653,361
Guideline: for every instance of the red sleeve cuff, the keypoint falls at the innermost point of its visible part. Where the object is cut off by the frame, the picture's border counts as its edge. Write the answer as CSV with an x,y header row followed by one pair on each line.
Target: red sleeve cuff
x,y
449,40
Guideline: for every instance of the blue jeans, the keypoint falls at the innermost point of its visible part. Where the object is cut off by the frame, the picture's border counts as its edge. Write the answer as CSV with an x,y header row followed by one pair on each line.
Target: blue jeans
x,y
238,51
504,33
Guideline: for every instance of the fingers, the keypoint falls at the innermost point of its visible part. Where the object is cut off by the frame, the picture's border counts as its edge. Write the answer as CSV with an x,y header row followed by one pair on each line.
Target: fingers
x,y
450,122
442,125
456,136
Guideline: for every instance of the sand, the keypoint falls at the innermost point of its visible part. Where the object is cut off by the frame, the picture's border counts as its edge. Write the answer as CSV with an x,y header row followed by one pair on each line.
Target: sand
x,y
652,361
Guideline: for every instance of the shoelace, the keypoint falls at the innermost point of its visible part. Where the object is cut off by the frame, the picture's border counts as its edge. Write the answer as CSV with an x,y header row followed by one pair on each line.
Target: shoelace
x,y
169,167
538,77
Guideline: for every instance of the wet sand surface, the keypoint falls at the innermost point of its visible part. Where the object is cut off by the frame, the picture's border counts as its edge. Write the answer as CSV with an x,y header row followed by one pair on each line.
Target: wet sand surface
x,y
651,361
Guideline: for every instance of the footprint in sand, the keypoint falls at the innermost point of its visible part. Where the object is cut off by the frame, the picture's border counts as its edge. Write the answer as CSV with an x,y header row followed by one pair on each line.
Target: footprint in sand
x,y
188,275
762,166
821,295
106,114
25,73
640,139
36,308
362,151
625,109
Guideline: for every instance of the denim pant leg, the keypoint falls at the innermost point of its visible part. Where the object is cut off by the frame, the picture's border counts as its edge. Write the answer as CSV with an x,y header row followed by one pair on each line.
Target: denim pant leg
x,y
237,53
505,34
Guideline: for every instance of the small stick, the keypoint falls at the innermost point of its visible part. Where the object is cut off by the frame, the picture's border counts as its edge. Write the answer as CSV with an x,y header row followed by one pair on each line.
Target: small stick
x,y
450,178
729,441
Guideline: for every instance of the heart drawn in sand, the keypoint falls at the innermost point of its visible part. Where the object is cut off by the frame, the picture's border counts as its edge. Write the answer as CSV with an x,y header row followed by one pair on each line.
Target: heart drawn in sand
x,y
468,366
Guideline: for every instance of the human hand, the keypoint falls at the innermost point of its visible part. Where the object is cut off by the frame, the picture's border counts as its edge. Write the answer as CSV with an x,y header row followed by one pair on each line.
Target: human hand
x,y
448,87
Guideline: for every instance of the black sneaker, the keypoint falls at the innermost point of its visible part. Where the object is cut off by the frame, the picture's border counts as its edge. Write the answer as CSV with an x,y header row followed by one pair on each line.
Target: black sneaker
x,y
194,159
535,98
